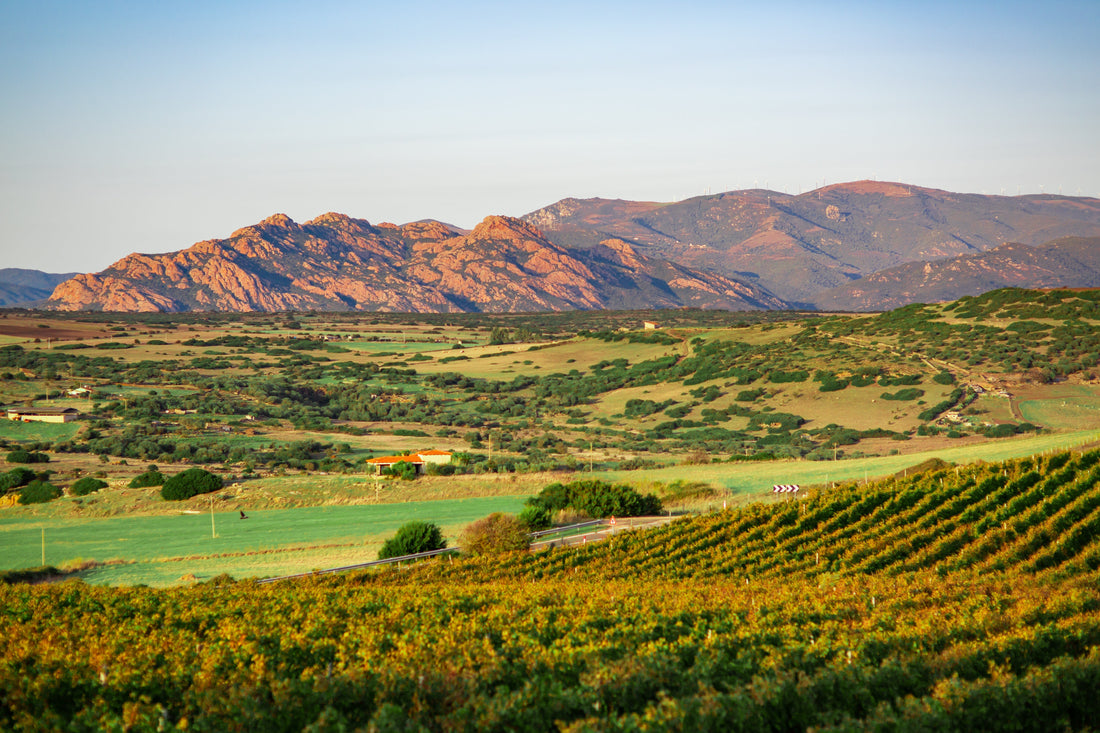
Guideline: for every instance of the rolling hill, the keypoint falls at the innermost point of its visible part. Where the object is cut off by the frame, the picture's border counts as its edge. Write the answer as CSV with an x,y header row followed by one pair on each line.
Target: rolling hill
x,y
19,286
800,245
1073,262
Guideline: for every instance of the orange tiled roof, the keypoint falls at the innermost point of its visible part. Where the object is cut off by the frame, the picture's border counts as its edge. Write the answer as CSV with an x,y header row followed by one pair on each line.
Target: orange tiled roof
x,y
395,459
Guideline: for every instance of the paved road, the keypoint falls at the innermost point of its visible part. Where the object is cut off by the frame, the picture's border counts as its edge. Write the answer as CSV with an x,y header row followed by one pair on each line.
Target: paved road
x,y
597,534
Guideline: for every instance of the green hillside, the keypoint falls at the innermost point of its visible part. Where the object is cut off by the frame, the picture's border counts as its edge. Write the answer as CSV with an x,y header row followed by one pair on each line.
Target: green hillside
x,y
957,599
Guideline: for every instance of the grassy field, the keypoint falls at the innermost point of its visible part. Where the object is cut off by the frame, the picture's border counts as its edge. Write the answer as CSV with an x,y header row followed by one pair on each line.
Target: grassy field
x,y
1063,406
37,431
166,550
758,478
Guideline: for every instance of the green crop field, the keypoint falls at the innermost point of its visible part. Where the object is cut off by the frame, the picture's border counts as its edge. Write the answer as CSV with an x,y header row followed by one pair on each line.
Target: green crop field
x,y
36,431
164,550
1067,406
760,477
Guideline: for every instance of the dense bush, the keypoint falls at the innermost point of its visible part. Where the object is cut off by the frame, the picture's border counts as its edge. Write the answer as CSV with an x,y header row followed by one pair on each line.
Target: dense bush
x,y
495,534
192,482
596,499
411,538
536,517
910,393
86,485
38,492
944,378
152,477
15,478
22,456
403,470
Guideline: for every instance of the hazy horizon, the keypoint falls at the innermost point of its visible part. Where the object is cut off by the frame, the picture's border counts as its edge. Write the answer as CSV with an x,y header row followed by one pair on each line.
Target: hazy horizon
x,y
148,128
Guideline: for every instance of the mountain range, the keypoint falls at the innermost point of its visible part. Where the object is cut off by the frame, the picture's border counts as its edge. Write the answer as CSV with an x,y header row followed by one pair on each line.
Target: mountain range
x,y
335,262
797,246
19,286
865,245
1072,262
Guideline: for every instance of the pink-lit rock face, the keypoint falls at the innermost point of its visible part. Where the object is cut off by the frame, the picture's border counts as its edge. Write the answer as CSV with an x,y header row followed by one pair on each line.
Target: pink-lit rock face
x,y
334,262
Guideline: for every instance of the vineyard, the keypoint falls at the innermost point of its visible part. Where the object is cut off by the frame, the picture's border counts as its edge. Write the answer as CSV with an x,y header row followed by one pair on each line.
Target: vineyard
x,y
958,599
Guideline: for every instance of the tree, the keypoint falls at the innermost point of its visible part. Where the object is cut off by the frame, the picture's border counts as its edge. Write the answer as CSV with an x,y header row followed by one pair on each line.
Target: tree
x,y
192,482
412,538
495,534
499,336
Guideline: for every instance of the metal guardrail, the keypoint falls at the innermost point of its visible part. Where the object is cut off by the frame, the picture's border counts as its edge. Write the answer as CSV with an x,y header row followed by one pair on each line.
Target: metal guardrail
x,y
555,530
371,564
418,555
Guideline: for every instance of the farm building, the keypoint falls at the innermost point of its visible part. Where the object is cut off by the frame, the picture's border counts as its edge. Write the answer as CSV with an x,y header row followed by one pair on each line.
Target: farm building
x,y
650,325
421,459
43,414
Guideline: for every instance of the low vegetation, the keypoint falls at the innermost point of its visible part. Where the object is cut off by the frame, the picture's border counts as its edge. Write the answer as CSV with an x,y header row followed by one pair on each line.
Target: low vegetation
x,y
188,483
413,538
958,598
495,534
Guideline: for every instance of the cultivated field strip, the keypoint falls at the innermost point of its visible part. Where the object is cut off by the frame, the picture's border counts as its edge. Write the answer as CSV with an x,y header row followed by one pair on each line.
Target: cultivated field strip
x,y
1031,515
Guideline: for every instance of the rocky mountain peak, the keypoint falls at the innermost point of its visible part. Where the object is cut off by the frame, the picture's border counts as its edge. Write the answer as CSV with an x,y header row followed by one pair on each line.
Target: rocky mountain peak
x,y
281,221
330,218
505,227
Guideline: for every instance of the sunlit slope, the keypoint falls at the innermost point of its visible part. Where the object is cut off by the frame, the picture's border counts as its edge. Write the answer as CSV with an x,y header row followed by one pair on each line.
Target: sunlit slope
x,y
1029,516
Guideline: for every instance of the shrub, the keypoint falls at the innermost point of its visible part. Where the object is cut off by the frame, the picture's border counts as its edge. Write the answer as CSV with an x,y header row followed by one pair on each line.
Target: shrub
x,y
411,538
495,534
86,485
149,478
15,478
22,456
910,393
403,470
192,482
38,492
749,395
944,377
535,517
596,499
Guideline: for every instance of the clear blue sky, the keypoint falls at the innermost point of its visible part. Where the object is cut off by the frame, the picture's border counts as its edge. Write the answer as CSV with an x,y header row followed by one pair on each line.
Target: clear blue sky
x,y
147,126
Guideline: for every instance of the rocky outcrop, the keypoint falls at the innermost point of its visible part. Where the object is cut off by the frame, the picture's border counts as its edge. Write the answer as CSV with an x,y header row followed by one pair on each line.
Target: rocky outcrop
x,y
335,262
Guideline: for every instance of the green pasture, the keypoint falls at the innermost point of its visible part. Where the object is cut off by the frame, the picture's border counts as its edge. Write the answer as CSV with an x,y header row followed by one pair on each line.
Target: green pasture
x,y
37,431
411,347
162,550
142,389
507,360
759,477
1072,407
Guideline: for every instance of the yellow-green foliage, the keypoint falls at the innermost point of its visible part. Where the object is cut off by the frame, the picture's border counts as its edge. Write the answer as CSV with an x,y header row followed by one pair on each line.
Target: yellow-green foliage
x,y
941,602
